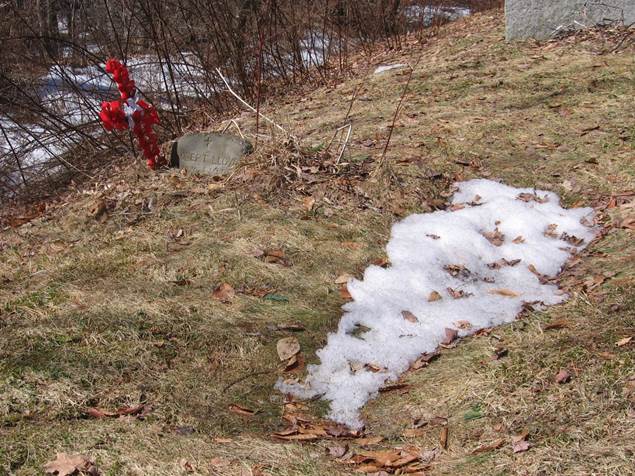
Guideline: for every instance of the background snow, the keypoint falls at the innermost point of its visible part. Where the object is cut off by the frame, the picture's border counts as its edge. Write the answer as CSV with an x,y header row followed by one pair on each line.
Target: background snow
x,y
418,259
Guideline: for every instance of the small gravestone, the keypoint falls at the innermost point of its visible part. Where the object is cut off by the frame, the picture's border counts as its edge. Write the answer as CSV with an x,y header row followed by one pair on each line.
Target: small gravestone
x,y
208,153
543,19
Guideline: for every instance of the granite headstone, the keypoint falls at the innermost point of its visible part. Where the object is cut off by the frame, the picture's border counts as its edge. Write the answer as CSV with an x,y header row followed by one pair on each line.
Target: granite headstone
x,y
208,153
543,19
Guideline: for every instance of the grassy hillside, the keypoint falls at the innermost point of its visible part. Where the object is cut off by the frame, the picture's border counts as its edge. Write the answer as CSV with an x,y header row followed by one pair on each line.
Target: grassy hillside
x,y
107,300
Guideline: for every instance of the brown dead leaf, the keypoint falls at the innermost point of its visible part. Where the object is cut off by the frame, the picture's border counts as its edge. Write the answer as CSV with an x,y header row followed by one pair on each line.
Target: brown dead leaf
x,y
560,324
287,347
498,264
450,336
369,441
413,432
219,462
67,465
308,203
563,376
336,451
187,466
434,296
443,437
518,240
520,443
381,262
343,278
550,231
224,293
542,278
344,293
351,245
529,197
499,353
410,317
240,410
504,292
494,445
572,239
624,341
294,364
494,237
424,360
463,324
458,293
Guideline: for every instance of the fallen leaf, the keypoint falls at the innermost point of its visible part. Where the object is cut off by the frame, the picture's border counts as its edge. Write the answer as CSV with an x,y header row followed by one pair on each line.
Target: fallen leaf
x,y
542,278
494,237
413,432
424,360
563,376
520,443
529,197
224,293
294,364
463,324
624,341
369,441
499,353
275,256
410,317
494,445
66,465
572,239
504,292
434,296
450,336
381,262
443,438
518,240
308,203
336,451
561,324
503,262
550,231
344,294
428,456
287,347
219,462
343,278
240,410
351,245
187,466
458,293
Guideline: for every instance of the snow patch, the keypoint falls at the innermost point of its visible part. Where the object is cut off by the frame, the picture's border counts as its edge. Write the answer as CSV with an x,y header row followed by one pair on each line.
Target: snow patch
x,y
487,258
387,67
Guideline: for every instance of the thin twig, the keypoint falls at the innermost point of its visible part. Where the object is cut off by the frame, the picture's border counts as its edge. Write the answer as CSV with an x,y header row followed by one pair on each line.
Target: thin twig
x,y
395,115
253,109
348,136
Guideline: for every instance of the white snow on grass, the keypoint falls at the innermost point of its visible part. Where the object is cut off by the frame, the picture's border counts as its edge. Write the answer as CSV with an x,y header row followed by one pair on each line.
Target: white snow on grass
x,y
389,67
491,253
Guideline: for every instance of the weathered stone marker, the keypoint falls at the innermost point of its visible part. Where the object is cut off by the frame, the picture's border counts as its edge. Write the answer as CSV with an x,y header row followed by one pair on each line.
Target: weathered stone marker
x,y
542,19
208,153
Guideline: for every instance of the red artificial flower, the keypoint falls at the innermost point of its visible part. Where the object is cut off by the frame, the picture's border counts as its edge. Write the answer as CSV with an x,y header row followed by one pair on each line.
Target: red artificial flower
x,y
114,117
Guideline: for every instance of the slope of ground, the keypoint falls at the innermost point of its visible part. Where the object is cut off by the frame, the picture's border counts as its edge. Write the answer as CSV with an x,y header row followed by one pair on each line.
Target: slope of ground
x,y
107,300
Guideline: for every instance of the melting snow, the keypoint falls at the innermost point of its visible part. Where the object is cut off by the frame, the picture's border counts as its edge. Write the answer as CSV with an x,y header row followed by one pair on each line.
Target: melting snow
x,y
388,67
486,258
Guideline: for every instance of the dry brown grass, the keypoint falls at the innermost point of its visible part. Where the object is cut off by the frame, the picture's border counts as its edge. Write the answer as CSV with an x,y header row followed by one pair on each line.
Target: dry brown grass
x,y
116,309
